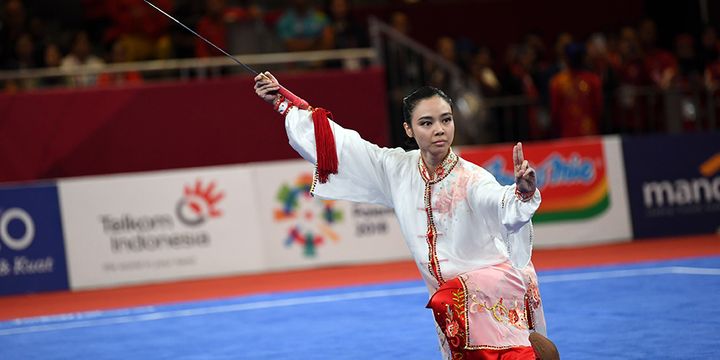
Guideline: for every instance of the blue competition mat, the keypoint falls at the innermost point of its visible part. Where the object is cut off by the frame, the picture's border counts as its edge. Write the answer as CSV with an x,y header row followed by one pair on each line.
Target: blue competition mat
x,y
660,310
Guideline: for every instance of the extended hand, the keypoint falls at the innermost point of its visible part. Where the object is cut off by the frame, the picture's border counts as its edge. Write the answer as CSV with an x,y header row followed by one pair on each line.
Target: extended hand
x,y
266,87
524,174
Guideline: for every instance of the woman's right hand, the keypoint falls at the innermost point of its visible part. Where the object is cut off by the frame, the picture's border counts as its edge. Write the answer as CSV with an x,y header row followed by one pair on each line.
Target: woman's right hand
x,y
266,87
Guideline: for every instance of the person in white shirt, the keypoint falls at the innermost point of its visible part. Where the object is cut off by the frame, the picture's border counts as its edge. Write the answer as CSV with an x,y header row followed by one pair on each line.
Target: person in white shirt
x,y
471,237
81,58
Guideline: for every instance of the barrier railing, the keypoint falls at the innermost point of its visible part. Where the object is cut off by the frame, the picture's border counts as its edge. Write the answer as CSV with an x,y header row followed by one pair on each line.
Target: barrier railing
x,y
201,67
627,110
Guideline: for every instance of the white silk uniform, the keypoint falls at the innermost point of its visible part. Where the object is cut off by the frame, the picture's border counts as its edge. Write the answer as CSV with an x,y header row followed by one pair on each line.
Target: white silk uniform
x,y
477,223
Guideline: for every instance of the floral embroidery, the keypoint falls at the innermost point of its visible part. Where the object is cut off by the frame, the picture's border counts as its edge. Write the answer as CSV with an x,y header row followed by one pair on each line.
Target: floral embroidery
x,y
512,313
453,193
533,294
513,316
452,329
455,319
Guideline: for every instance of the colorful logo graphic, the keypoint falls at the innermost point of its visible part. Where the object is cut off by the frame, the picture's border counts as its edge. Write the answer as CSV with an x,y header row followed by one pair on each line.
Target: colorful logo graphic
x,y
310,220
572,176
710,166
198,204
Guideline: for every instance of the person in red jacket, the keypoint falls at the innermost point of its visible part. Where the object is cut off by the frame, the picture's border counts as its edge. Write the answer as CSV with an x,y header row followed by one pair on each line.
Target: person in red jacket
x,y
575,97
142,30
214,25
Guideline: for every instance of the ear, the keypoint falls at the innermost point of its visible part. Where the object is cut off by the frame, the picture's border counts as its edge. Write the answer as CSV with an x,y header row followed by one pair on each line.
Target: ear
x,y
408,130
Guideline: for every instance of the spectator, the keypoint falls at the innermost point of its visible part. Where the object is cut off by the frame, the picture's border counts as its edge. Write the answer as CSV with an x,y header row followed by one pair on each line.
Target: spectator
x,y
560,43
712,74
600,62
690,67
712,82
215,25
13,23
52,56
24,58
552,68
143,29
540,64
445,47
348,32
81,58
710,46
518,80
660,65
400,22
631,108
52,59
302,28
119,55
250,34
482,70
575,97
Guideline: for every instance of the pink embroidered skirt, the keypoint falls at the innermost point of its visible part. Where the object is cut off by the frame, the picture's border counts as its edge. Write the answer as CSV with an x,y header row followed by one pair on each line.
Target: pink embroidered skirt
x,y
490,310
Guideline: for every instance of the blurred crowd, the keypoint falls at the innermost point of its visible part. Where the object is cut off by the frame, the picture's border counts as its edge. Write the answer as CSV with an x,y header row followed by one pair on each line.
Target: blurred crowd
x,y
129,30
605,83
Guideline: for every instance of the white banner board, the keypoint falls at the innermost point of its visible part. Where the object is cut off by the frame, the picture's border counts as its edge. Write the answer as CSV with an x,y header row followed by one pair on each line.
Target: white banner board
x,y
169,225
302,231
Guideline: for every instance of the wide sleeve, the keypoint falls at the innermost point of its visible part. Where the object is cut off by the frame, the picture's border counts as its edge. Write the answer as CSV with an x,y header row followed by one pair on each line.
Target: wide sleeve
x,y
504,208
363,167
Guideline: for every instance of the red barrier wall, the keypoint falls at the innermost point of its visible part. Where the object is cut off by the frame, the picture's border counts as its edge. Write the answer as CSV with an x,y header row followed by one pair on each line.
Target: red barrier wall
x,y
66,133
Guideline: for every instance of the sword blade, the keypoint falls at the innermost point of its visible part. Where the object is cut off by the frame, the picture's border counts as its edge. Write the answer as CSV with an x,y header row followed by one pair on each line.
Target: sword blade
x,y
251,70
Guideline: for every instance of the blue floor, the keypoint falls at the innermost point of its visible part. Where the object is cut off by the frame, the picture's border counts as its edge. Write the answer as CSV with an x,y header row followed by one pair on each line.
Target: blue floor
x,y
663,310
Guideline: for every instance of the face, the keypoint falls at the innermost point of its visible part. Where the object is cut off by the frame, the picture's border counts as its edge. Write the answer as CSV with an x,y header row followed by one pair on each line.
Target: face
x,y
432,126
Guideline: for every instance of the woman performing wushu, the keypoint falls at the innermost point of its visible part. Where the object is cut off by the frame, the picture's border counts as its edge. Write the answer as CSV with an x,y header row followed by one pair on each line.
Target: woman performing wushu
x,y
471,238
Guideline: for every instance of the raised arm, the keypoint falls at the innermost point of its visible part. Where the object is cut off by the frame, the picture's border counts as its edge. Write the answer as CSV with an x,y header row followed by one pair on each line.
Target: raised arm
x,y
361,167
514,205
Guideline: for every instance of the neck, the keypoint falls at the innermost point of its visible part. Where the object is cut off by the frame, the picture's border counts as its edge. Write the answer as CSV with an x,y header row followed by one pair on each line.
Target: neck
x,y
432,161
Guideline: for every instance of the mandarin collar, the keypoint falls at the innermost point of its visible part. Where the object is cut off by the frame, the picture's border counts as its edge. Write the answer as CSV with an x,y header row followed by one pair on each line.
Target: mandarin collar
x,y
441,171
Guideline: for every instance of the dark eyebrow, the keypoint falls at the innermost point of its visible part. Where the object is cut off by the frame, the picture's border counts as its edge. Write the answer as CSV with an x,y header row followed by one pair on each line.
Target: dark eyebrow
x,y
428,117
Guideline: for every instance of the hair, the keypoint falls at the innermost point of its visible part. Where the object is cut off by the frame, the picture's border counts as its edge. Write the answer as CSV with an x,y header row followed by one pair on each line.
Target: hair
x,y
410,101
575,54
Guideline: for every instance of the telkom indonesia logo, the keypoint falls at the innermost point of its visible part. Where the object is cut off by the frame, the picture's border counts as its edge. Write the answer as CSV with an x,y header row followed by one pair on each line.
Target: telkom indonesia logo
x,y
310,220
198,204
16,240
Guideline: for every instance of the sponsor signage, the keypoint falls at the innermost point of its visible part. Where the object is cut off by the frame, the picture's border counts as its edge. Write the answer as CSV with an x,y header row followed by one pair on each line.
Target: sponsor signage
x,y
32,254
583,197
303,231
674,184
170,225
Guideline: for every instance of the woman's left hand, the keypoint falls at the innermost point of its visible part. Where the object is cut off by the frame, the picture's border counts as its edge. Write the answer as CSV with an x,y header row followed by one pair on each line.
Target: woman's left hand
x,y
524,174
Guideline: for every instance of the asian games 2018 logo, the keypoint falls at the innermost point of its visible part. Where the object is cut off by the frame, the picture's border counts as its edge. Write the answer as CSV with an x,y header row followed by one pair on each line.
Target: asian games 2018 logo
x,y
198,204
310,219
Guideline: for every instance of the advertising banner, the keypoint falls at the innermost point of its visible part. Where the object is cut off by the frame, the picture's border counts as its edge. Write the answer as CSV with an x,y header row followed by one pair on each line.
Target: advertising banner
x,y
303,231
674,184
160,226
32,254
581,182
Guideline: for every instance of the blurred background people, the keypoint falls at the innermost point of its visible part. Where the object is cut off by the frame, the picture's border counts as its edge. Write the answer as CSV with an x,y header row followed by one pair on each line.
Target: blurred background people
x,y
81,58
302,27
575,96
